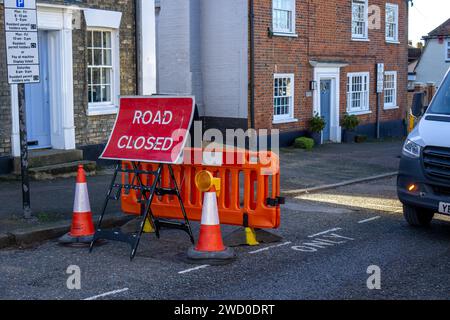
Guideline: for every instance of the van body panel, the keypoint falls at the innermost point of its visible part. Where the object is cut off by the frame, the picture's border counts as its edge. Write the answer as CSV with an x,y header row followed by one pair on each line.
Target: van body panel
x,y
428,169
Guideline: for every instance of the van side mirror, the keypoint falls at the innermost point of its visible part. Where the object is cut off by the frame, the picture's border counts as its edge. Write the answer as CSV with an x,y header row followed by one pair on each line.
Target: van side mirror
x,y
417,108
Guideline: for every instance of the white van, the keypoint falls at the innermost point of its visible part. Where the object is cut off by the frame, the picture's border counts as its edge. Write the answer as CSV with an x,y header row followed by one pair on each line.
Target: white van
x,y
423,183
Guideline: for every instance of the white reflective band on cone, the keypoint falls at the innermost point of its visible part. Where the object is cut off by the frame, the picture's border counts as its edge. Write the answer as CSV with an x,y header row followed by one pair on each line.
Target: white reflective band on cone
x,y
81,203
210,215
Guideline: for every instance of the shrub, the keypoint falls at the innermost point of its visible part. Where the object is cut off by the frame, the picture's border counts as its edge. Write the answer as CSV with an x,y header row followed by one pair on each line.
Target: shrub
x,y
317,123
304,143
350,122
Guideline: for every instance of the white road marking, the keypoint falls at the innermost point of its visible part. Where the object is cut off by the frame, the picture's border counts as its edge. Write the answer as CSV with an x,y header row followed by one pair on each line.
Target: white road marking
x,y
271,247
368,220
194,269
324,232
107,294
325,242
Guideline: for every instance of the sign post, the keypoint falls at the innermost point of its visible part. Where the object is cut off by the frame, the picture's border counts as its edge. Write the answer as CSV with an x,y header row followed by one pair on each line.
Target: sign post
x,y
22,53
380,89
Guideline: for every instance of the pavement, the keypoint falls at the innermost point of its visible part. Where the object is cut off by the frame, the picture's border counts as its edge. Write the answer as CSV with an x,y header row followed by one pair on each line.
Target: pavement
x,y
331,239
330,164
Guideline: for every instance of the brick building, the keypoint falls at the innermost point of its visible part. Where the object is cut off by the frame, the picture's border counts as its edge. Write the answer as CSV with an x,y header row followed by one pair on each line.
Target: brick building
x,y
273,64
88,59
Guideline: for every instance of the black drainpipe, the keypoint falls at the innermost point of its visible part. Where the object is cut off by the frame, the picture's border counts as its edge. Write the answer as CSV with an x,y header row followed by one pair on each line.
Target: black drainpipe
x,y
252,65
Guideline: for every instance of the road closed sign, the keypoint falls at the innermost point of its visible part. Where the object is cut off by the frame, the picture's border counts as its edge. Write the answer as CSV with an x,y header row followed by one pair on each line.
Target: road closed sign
x,y
150,129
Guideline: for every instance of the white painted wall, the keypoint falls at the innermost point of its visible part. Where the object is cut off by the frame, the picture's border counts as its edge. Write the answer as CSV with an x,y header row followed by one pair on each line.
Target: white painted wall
x,y
432,65
224,32
173,47
147,63
202,49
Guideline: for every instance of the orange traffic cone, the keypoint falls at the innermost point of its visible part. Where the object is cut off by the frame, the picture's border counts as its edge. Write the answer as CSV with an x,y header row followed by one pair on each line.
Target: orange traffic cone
x,y
210,248
82,229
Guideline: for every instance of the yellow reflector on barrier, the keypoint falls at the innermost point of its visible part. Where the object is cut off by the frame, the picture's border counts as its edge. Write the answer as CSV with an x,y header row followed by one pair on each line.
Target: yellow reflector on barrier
x,y
204,180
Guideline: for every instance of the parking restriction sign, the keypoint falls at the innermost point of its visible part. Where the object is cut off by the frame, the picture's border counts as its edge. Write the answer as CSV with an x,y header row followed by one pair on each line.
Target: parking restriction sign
x,y
22,47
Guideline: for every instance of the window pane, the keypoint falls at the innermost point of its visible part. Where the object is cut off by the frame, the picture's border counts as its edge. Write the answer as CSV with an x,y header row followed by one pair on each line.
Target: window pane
x,y
107,57
95,76
90,57
106,39
89,72
106,76
96,93
97,57
97,39
90,94
90,39
283,4
106,93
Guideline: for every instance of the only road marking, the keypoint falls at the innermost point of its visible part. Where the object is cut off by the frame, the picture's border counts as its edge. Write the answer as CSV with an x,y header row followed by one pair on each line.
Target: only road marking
x,y
369,220
324,232
194,269
271,247
110,293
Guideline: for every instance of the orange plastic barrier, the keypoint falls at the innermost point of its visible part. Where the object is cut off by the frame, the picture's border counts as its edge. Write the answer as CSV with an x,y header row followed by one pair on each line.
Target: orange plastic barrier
x,y
249,193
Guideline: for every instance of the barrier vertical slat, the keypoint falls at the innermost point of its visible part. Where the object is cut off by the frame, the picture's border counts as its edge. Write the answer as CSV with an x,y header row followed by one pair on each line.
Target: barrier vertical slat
x,y
228,188
262,191
235,201
187,185
198,198
247,190
177,173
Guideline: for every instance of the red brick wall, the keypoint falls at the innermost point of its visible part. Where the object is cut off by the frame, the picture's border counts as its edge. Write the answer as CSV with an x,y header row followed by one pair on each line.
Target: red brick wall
x,y
324,34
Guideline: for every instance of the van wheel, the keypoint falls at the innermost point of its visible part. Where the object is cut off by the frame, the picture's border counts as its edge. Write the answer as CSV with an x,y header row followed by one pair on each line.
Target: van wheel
x,y
417,217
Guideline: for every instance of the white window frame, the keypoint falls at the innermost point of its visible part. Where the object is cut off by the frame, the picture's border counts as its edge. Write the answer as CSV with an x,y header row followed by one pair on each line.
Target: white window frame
x,y
288,117
393,39
291,30
106,108
447,49
364,109
393,104
364,36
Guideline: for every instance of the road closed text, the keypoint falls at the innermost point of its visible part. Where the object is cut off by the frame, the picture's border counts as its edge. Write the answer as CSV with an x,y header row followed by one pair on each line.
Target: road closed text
x,y
152,143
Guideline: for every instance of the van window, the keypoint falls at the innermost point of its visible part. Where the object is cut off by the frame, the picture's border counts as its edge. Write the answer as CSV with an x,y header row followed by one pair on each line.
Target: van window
x,y
441,103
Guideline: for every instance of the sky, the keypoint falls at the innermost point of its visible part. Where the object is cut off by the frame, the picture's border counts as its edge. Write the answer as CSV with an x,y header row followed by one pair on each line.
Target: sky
x,y
425,16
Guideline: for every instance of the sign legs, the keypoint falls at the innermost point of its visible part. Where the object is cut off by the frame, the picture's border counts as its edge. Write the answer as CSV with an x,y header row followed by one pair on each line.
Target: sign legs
x,y
146,195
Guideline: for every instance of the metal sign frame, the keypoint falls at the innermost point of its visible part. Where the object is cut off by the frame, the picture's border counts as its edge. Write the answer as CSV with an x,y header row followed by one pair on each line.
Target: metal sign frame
x,y
147,194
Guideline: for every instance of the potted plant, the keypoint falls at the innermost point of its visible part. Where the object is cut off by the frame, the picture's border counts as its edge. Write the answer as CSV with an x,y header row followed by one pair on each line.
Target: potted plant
x,y
349,123
317,124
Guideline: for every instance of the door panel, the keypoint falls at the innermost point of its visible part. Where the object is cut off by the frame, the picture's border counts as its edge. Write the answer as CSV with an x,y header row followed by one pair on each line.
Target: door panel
x,y
37,101
325,107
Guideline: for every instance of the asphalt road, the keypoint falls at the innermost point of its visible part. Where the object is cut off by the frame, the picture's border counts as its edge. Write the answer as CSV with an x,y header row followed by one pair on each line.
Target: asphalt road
x,y
362,226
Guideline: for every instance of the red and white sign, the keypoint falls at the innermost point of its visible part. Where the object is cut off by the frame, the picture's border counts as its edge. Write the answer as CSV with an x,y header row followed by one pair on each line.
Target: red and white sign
x,y
150,129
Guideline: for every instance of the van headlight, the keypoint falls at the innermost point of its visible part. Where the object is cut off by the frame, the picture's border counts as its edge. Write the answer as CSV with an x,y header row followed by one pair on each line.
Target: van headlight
x,y
411,149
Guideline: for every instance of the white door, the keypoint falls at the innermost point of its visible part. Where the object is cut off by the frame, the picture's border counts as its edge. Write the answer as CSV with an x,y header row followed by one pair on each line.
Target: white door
x,y
37,99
